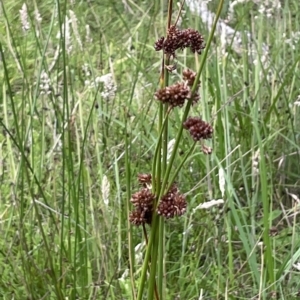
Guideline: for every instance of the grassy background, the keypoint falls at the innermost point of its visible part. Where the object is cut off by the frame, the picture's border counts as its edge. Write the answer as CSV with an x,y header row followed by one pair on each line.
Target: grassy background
x,y
62,154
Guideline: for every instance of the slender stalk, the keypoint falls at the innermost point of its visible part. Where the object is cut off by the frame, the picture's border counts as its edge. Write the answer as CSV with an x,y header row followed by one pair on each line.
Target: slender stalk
x,y
188,106
161,226
18,141
156,237
129,227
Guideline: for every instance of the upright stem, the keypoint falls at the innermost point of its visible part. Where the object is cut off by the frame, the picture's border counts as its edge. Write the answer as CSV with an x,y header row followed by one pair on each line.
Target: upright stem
x,y
161,170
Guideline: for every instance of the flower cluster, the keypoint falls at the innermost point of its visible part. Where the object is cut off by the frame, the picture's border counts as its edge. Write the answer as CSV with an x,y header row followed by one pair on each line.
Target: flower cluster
x,y
174,95
172,204
189,77
180,39
45,84
145,179
198,128
143,203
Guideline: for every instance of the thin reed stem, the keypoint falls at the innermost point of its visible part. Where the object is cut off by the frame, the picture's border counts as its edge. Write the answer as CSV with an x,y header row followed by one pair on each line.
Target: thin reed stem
x,y
162,169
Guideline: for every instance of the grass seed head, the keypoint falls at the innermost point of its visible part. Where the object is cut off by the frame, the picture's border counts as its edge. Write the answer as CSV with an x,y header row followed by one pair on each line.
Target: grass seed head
x,y
180,39
172,204
198,128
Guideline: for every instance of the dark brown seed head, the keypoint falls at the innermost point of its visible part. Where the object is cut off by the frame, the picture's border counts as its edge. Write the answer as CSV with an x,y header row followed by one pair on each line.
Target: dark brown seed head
x,y
180,39
173,95
137,217
145,178
143,199
189,76
194,40
159,44
198,128
172,204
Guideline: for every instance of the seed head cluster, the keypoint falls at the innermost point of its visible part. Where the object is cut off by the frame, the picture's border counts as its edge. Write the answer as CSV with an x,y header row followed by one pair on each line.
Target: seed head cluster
x,y
143,203
172,204
198,128
174,95
145,179
138,217
180,39
189,77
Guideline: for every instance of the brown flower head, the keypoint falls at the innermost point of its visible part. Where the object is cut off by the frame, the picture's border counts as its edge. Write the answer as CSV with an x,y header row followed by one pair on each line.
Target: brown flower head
x,y
145,179
206,150
137,217
180,39
172,204
174,95
143,203
198,128
194,40
159,44
189,77
172,42
143,199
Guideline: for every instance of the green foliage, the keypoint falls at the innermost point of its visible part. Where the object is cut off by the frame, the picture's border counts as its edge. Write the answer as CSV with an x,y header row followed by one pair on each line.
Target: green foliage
x,y
58,150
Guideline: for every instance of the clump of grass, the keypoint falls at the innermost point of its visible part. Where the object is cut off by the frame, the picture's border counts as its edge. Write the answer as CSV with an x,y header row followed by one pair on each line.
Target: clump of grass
x,y
82,114
160,197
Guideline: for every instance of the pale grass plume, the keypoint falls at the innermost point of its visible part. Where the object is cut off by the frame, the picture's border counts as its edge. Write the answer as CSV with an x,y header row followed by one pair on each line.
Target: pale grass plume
x,y
297,102
138,250
109,86
293,39
105,189
74,22
88,38
209,204
38,21
222,181
269,8
66,32
24,18
45,84
255,163
170,148
37,16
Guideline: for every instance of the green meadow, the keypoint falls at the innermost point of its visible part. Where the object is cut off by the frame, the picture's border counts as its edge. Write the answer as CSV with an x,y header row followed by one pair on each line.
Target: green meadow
x,y
80,121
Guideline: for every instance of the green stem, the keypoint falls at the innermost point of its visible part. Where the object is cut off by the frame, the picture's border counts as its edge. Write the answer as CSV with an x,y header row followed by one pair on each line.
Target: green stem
x,y
180,165
154,252
154,225
188,106
157,167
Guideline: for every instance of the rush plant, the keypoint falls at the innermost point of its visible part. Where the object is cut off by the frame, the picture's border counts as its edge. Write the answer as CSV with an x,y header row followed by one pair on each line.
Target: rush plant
x,y
159,197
